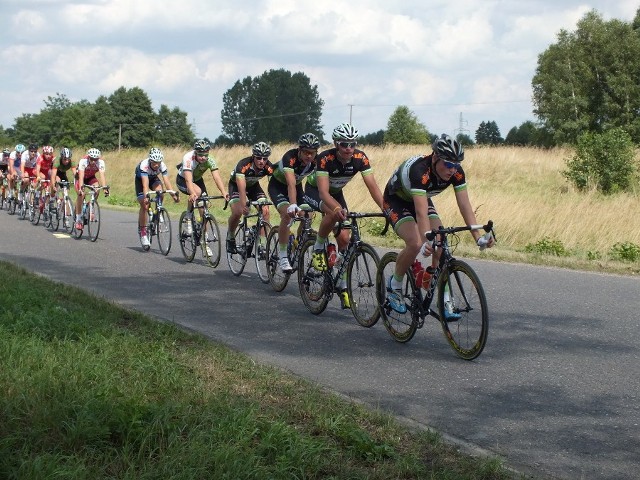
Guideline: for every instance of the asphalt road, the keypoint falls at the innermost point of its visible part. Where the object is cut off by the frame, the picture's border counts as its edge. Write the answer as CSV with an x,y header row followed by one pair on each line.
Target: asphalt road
x,y
555,392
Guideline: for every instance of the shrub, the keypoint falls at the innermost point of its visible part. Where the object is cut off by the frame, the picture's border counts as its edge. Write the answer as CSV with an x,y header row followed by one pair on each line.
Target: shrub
x,y
547,246
604,161
625,251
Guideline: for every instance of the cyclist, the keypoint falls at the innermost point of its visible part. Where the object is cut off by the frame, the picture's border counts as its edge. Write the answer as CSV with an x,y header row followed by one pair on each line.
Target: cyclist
x,y
323,192
191,170
90,168
28,164
245,184
150,174
407,199
285,187
43,172
4,170
15,169
61,166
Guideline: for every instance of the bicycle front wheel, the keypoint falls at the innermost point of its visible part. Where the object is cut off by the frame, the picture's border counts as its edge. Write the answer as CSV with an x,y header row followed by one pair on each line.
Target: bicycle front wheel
x,y
401,326
187,243
67,215
463,311
361,284
314,285
211,245
238,258
163,231
277,278
260,252
93,222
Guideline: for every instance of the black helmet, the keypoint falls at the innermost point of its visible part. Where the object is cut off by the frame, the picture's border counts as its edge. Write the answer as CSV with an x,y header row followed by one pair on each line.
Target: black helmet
x,y
33,147
448,149
308,140
201,146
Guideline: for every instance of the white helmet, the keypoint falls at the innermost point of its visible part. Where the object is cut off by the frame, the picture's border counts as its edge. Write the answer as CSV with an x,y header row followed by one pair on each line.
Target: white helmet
x,y
346,132
155,155
93,153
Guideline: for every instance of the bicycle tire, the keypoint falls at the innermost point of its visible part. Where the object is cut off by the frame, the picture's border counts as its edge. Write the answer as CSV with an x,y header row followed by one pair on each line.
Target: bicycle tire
x,y
46,215
401,326
260,252
93,222
36,210
67,215
13,204
361,285
211,238
187,242
238,259
467,335
163,231
314,286
277,278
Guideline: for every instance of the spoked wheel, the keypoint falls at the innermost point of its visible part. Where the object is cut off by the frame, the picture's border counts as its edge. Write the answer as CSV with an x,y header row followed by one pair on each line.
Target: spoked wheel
x,y
260,252
24,207
463,311
238,259
50,216
13,204
37,214
187,242
361,274
277,278
211,244
313,284
163,231
401,326
93,222
66,212
32,210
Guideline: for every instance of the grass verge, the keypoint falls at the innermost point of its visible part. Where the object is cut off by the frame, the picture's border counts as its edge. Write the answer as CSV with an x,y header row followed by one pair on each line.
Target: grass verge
x,y
92,390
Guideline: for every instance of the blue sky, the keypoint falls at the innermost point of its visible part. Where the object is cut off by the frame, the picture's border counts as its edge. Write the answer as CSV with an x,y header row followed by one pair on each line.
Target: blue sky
x,y
454,63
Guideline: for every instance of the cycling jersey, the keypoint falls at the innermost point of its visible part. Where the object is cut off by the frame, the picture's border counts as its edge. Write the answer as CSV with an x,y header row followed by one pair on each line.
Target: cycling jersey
x,y
190,164
290,162
90,168
29,161
45,164
247,169
16,158
416,176
59,165
328,165
143,169
5,160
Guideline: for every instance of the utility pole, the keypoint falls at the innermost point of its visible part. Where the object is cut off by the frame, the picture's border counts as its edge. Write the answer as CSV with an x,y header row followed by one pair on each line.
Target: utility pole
x,y
119,137
350,113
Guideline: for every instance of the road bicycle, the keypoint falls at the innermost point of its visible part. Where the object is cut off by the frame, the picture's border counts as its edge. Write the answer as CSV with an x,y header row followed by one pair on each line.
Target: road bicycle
x,y
12,200
461,304
158,222
248,242
277,278
203,232
36,208
24,205
359,263
90,214
4,190
61,208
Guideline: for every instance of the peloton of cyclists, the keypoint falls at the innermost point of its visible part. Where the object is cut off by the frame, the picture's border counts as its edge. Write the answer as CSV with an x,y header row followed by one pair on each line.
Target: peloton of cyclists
x,y
91,171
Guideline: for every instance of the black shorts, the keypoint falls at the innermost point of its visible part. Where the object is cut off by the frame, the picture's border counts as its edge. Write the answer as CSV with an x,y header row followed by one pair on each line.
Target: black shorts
x,y
154,181
279,193
400,210
182,185
254,192
312,197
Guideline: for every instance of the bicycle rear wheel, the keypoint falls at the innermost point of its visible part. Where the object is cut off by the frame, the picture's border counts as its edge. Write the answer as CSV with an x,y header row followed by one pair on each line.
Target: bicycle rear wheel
x,y
277,278
463,310
187,242
238,259
314,285
163,231
361,284
401,326
260,252
93,222
211,245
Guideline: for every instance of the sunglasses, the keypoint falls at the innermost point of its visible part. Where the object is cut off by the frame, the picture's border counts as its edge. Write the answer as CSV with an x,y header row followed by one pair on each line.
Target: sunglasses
x,y
347,144
257,159
449,164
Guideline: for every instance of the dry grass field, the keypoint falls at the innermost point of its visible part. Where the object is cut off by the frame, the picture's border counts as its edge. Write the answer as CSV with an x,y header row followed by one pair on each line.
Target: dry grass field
x,y
521,189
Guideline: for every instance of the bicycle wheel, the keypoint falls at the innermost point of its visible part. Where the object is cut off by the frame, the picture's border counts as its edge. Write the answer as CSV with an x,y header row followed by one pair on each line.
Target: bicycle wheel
x,y
314,286
37,213
67,215
187,242
260,252
24,206
277,278
211,245
238,259
401,326
463,311
361,284
93,222
32,209
13,203
163,231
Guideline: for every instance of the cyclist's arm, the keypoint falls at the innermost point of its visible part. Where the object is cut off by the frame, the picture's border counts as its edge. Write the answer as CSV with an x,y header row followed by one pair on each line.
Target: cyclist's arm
x,y
215,174
167,185
52,180
421,205
292,191
374,190
144,180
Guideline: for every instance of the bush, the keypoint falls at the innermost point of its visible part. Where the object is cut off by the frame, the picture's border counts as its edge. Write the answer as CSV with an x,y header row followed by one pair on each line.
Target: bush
x,y
604,161
547,246
625,251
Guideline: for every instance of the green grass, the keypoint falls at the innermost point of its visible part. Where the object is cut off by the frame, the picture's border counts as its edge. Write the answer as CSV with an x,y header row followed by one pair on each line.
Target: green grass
x,y
91,390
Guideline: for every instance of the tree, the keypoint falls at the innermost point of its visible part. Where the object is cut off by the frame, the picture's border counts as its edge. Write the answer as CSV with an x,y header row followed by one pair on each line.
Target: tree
x,y
587,81
488,133
404,127
103,130
172,127
464,139
133,114
375,138
274,107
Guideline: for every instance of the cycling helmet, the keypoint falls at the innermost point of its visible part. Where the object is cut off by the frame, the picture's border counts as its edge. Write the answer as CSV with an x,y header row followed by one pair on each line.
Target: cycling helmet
x,y
33,147
93,153
201,146
47,149
448,149
6,152
261,149
345,131
20,148
155,155
308,140
65,152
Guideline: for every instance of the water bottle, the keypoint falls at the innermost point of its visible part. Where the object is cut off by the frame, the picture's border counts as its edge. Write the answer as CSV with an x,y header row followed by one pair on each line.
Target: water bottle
x,y
331,255
418,272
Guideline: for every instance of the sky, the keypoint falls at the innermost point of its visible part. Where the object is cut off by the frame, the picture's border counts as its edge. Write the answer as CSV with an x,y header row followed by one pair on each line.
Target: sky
x,y
454,63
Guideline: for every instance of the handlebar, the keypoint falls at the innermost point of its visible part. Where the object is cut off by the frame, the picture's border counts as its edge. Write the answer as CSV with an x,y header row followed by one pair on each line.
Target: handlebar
x,y
431,235
95,189
356,215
